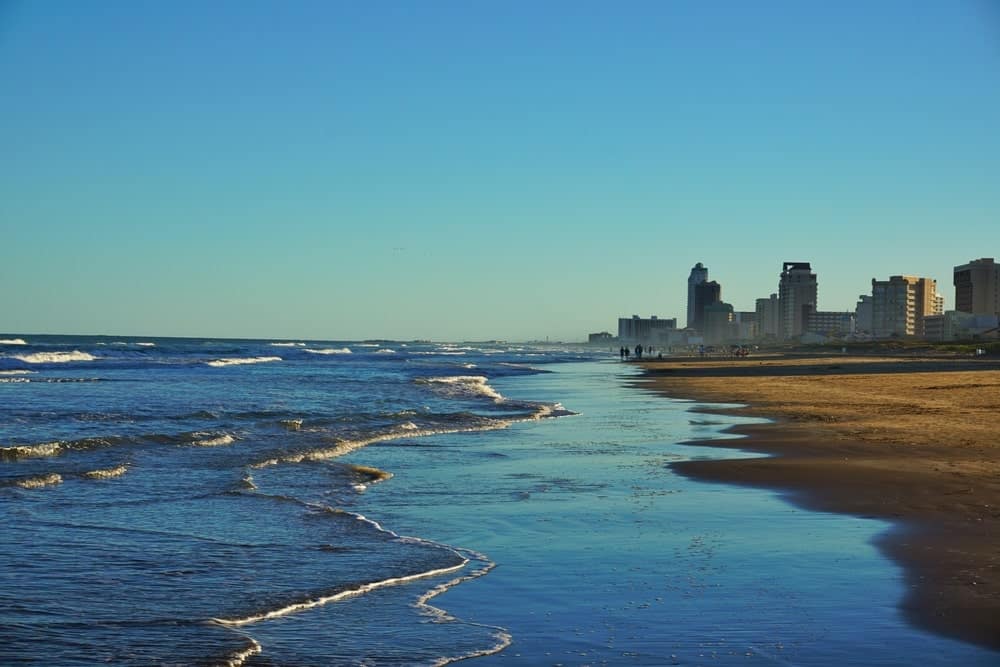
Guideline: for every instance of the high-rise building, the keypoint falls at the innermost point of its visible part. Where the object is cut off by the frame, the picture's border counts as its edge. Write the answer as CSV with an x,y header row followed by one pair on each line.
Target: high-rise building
x,y
718,323
938,304
705,295
900,304
768,317
863,314
699,275
977,287
797,291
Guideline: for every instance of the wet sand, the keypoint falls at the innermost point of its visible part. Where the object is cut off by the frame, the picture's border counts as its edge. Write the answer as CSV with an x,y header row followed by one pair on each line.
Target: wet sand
x,y
912,440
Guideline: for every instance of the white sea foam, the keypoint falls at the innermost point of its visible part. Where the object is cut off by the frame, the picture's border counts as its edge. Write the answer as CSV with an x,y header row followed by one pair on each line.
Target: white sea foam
x,y
12,341
146,344
216,441
240,361
107,473
237,658
403,431
385,351
463,385
31,451
18,372
288,344
55,357
17,380
409,426
347,593
40,481
329,350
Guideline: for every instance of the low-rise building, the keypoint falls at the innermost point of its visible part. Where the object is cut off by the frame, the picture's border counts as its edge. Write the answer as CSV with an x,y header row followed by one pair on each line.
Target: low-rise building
x,y
831,324
955,325
636,330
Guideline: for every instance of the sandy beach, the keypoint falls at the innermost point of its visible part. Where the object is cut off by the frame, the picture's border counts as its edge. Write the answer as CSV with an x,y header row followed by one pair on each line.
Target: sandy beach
x,y
912,440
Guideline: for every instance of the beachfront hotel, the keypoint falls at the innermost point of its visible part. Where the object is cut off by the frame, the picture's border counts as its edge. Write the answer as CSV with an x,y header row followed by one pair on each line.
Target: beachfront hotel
x,y
699,275
977,287
900,304
797,292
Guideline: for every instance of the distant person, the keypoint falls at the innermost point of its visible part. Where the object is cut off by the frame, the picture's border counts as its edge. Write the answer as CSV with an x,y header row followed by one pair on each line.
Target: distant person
x,y
626,354
638,351
621,352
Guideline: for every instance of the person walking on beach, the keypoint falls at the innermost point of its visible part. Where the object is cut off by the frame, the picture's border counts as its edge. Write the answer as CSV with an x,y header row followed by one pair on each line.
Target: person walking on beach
x,y
621,352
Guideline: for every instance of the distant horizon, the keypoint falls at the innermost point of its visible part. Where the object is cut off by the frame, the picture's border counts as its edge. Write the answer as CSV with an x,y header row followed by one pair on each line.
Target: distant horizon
x,y
455,171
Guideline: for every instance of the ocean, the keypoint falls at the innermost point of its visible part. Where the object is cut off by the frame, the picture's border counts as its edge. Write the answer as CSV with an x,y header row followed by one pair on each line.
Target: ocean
x,y
236,502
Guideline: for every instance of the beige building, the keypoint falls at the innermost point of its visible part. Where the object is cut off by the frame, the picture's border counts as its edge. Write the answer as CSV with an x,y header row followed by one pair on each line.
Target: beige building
x,y
797,292
900,304
768,317
977,287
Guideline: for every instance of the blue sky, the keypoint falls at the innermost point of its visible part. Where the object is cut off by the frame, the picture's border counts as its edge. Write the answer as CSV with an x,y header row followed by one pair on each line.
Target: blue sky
x,y
484,169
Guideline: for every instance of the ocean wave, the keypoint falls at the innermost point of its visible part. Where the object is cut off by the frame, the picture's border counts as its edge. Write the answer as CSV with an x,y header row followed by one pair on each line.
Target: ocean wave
x,y
385,351
288,344
18,452
328,350
56,448
240,361
17,380
291,424
462,386
12,341
146,344
237,658
55,357
343,447
39,481
216,441
107,473
19,372
355,591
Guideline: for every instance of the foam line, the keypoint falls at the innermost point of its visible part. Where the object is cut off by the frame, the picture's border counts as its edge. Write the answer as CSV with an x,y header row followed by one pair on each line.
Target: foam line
x,y
326,599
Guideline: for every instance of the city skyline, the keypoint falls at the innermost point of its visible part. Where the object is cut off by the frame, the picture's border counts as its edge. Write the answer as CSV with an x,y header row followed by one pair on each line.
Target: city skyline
x,y
458,172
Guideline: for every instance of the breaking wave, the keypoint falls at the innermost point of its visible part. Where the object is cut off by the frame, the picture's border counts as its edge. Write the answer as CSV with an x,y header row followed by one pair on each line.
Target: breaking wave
x,y
12,341
39,481
107,473
240,361
343,447
462,386
18,452
385,351
217,441
237,658
55,357
328,350
288,344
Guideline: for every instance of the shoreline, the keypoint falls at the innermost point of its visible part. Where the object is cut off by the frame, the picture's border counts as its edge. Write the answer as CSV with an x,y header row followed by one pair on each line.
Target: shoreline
x,y
897,439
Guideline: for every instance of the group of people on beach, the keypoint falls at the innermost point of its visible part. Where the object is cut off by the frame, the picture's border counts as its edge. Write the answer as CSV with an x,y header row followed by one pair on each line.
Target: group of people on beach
x,y
625,353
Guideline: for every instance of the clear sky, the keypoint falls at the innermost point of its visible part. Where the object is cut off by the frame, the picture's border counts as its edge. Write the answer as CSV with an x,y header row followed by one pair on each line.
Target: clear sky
x,y
455,170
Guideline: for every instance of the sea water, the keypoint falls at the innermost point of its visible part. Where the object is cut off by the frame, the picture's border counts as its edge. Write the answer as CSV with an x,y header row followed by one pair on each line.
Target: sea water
x,y
202,502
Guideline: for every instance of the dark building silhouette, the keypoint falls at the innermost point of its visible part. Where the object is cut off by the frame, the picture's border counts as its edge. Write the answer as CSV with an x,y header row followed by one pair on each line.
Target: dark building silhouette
x,y
705,294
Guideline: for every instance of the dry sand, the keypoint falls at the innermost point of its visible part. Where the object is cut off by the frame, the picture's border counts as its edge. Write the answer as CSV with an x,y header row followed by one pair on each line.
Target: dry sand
x,y
912,440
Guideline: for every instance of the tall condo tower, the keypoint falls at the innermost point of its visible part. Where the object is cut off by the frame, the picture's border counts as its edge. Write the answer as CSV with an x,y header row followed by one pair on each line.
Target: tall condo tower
x,y
796,297
699,275
977,287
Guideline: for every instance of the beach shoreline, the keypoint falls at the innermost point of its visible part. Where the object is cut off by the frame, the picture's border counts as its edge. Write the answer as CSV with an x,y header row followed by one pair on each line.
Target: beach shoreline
x,y
909,440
